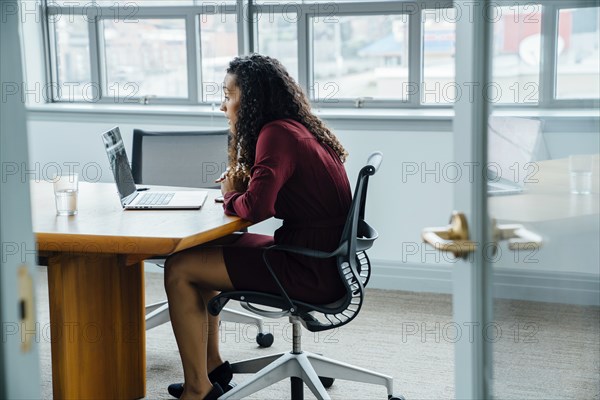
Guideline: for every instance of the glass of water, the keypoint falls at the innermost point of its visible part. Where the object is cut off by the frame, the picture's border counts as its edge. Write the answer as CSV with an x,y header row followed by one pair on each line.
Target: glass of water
x,y
65,194
580,170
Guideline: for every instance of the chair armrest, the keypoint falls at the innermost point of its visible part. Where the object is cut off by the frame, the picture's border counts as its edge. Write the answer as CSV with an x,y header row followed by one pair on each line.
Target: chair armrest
x,y
217,303
306,251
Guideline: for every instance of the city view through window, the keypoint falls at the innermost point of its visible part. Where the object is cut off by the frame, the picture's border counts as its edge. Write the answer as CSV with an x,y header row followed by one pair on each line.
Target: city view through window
x,y
353,56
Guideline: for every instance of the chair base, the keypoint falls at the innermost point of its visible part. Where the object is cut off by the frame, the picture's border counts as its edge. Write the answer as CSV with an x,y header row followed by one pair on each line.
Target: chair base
x,y
304,365
157,314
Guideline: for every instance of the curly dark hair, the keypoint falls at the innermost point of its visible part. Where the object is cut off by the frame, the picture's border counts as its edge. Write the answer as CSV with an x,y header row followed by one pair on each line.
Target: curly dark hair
x,y
268,93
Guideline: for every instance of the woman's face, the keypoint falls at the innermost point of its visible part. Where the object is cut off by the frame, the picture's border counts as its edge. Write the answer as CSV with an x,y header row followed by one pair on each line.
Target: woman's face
x,y
231,102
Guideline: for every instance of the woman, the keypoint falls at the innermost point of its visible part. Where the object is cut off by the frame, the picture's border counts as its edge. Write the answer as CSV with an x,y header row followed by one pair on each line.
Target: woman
x,y
285,163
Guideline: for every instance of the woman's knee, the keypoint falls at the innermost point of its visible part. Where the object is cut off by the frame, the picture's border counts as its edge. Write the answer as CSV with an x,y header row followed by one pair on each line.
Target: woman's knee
x,y
174,270
202,266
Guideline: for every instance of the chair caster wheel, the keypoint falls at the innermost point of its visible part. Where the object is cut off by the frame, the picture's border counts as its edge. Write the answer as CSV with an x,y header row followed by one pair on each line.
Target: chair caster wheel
x,y
265,339
395,397
327,382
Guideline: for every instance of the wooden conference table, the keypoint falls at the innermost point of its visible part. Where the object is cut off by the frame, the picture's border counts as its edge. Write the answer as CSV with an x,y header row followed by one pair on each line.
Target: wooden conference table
x,y
96,283
547,197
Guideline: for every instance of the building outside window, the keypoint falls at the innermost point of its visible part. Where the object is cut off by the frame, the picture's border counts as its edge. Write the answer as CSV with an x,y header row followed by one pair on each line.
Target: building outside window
x,y
344,54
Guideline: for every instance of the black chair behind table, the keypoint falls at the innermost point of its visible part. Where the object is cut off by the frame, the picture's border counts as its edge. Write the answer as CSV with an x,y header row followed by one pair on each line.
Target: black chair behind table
x,y
187,159
316,371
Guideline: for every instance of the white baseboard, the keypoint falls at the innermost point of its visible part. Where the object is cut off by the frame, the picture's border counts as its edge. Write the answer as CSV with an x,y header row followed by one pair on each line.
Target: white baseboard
x,y
393,275
552,287
518,284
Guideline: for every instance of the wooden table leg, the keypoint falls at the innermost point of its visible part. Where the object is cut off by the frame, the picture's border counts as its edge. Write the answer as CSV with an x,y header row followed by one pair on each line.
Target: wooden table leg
x,y
97,327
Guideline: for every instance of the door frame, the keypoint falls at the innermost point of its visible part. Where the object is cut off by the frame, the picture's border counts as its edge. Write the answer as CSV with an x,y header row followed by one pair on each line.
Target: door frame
x,y
470,302
19,360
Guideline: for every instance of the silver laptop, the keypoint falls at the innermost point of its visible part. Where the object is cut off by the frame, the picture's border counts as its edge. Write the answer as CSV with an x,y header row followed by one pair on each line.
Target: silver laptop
x,y
133,198
514,144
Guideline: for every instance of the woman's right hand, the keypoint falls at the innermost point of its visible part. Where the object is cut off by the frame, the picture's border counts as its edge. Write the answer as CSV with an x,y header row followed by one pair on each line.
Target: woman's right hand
x,y
227,185
232,183
223,176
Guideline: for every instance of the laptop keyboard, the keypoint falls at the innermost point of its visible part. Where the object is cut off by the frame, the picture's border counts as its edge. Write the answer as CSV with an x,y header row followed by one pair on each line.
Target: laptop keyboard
x,y
155,199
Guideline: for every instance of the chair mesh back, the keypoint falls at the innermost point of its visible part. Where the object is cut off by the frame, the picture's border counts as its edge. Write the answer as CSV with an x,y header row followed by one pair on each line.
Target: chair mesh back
x,y
353,263
192,159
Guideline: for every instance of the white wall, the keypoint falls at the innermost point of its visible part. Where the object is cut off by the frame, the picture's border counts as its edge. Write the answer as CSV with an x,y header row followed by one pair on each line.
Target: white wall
x,y
398,206
398,210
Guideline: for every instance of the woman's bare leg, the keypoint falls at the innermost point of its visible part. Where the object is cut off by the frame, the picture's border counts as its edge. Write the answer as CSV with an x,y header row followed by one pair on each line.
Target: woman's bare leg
x,y
192,277
213,355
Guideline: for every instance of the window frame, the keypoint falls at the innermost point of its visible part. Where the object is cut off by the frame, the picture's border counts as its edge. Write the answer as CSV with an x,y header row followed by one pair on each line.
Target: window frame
x,y
246,11
550,74
190,14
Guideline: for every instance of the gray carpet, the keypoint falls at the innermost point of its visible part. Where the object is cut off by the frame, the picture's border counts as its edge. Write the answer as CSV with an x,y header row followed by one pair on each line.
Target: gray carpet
x,y
543,350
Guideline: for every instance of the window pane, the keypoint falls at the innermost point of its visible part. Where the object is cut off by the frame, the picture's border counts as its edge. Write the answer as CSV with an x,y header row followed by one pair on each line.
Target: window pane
x,y
72,58
517,54
131,4
364,56
439,44
145,58
219,45
278,38
333,3
578,71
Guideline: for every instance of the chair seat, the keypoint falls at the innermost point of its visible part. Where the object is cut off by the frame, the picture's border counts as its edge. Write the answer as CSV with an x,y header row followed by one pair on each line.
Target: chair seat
x,y
302,309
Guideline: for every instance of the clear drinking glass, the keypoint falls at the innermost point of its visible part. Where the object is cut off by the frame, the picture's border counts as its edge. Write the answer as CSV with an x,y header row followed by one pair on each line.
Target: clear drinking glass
x,y
66,188
580,170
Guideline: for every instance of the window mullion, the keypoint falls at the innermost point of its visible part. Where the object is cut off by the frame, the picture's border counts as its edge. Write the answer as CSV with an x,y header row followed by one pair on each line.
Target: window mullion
x,y
194,62
245,24
95,58
52,61
549,33
305,63
415,58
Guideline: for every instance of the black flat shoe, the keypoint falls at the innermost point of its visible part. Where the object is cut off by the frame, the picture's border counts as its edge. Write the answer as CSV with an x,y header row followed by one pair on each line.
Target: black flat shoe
x,y
176,390
214,393
221,375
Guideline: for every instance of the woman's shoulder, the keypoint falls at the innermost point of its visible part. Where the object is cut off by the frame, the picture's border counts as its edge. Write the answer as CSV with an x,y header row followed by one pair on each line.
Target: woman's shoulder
x,y
294,129
280,135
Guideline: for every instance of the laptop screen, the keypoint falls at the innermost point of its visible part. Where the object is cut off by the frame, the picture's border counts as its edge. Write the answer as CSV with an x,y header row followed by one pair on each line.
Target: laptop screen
x,y
119,164
513,146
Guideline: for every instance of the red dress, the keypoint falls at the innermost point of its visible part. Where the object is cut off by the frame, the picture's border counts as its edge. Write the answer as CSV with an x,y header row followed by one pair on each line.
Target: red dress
x,y
303,182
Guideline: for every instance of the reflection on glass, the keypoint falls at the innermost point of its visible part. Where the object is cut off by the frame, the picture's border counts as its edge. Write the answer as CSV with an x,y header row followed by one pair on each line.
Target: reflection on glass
x,y
218,35
334,3
364,56
145,58
578,64
517,54
72,58
127,4
278,38
439,45
545,335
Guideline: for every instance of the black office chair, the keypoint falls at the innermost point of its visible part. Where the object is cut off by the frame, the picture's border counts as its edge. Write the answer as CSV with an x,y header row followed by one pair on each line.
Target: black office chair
x,y
316,371
187,159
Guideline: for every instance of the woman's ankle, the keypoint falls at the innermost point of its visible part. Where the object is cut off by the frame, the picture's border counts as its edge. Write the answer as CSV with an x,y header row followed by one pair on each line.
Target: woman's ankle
x,y
213,392
195,390
192,394
213,363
